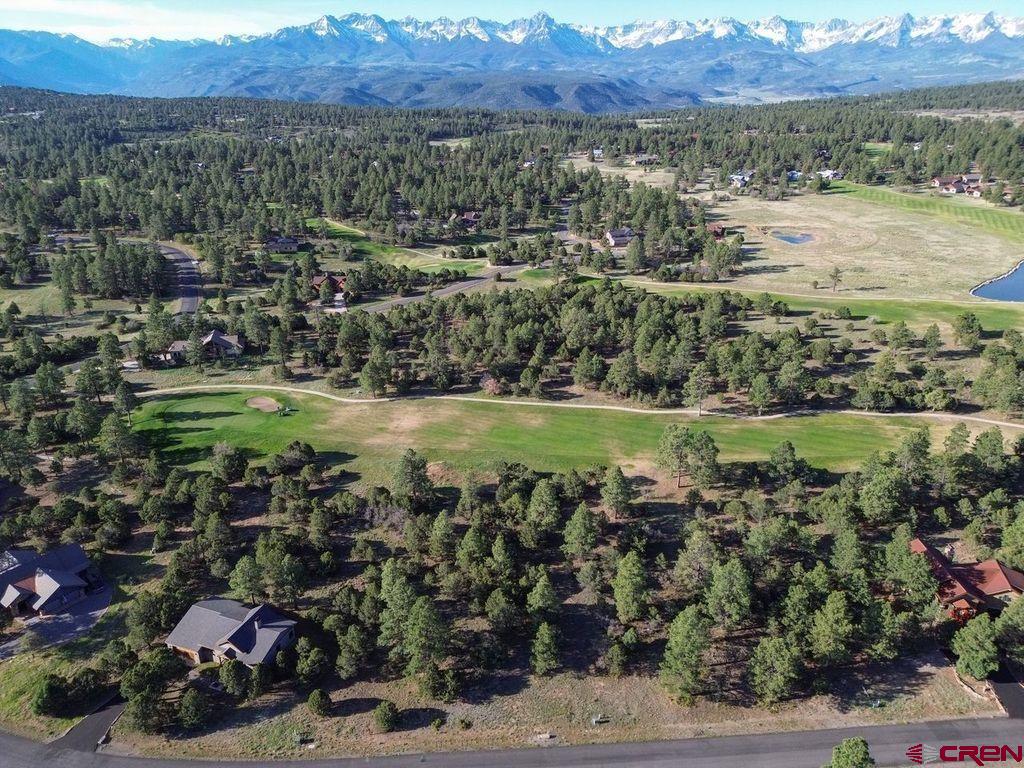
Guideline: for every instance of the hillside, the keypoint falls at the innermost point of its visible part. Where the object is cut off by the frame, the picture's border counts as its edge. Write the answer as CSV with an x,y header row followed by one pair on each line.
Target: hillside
x,y
533,63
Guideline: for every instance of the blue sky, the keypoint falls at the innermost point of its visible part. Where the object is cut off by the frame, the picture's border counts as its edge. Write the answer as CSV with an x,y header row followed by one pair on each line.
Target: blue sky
x,y
104,19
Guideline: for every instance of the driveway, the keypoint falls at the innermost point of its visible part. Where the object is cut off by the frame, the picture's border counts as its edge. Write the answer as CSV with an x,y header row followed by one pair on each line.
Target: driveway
x,y
57,630
1008,690
91,730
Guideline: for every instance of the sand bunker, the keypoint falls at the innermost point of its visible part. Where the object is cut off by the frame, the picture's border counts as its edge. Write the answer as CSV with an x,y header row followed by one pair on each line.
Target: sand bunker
x,y
265,404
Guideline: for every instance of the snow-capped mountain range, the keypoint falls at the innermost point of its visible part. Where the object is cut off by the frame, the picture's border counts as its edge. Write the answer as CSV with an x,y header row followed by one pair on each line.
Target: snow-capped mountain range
x,y
538,61
799,36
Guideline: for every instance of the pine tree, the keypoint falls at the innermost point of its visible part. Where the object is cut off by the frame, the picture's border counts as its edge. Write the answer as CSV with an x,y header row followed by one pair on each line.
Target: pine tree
x,y
832,630
115,439
193,710
246,579
442,537
851,753
616,493
541,602
975,647
426,637
630,587
774,669
542,514
682,667
125,401
580,533
544,651
728,595
398,598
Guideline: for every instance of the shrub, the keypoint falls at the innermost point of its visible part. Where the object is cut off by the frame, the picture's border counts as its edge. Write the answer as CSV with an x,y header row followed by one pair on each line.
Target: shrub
x,y
319,702
385,716
193,709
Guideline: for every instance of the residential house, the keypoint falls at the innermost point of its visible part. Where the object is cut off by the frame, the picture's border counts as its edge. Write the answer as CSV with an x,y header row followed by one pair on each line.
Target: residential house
x,y
954,188
337,282
741,179
337,286
216,344
617,238
33,584
942,181
830,174
175,353
965,589
218,629
471,219
282,245
645,159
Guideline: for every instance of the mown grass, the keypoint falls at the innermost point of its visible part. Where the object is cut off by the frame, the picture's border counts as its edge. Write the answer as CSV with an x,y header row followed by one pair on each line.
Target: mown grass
x,y
366,248
996,316
367,439
1008,223
876,150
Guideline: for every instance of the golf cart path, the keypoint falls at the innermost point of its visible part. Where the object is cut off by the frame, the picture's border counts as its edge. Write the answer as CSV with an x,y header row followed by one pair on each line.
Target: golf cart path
x,y
943,417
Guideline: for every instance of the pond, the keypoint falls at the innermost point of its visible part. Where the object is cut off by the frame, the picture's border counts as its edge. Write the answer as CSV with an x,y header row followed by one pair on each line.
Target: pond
x,y
1009,287
793,239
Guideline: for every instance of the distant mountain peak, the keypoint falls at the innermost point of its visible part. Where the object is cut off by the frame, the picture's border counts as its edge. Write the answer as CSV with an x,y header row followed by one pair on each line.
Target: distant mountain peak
x,y
536,61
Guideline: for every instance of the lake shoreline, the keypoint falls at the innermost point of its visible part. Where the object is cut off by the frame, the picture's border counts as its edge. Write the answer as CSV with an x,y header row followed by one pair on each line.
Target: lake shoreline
x,y
1008,273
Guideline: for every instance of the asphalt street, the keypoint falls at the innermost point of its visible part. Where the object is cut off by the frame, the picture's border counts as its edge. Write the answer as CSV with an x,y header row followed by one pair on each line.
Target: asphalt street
x,y
804,749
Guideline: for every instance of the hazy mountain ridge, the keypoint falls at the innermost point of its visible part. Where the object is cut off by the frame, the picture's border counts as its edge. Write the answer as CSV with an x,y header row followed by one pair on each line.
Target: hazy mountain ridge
x,y
364,58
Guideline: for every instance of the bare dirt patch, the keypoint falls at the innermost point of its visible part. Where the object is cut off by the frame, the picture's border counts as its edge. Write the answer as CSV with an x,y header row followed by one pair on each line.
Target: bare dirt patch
x,y
265,404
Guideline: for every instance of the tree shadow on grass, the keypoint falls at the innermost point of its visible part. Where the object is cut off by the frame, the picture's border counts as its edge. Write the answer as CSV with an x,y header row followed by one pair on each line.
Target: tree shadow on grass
x,y
355,706
176,416
415,718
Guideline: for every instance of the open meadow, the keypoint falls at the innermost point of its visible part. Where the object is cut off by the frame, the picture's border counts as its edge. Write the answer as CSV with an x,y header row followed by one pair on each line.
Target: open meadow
x,y
887,244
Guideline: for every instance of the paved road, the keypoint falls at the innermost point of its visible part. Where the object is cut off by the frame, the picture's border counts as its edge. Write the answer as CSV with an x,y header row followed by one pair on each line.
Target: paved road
x,y
190,281
452,288
805,749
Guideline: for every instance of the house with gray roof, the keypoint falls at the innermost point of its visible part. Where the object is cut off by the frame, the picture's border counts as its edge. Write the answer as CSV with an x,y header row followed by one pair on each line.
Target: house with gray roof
x,y
218,629
34,584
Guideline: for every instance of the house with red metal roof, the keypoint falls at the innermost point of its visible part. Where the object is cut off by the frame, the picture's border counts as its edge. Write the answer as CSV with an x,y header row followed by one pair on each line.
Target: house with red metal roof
x,y
967,588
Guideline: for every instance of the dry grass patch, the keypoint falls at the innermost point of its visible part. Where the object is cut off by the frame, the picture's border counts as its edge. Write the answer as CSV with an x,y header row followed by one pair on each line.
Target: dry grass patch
x,y
883,252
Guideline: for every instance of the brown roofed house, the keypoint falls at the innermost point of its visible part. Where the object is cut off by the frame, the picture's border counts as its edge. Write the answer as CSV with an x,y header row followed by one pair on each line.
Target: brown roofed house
x,y
33,584
337,282
967,588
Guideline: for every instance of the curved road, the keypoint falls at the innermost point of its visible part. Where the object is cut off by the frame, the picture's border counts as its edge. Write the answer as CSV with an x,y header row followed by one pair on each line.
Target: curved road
x,y
189,279
452,288
802,749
